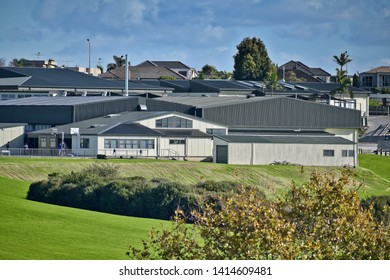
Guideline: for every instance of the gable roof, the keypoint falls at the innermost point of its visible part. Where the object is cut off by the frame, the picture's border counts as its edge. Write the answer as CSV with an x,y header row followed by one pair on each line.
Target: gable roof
x,y
167,64
380,69
141,72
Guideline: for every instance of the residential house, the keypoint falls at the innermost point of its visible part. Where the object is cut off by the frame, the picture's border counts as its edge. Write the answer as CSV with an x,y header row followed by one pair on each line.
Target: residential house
x,y
378,77
303,72
174,70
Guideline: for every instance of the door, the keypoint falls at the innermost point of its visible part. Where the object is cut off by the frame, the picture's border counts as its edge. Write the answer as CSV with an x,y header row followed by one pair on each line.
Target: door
x,y
222,154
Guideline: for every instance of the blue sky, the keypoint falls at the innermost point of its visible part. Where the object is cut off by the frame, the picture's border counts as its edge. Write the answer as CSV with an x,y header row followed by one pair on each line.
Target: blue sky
x,y
196,32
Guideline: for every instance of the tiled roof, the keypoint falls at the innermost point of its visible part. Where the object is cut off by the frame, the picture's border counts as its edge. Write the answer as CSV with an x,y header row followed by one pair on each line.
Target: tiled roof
x,y
380,69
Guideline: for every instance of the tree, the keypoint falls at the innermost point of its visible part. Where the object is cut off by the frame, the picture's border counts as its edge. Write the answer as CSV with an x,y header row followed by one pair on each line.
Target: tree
x,y
342,60
2,62
355,80
322,219
292,77
344,83
120,61
211,72
251,62
341,75
272,79
17,62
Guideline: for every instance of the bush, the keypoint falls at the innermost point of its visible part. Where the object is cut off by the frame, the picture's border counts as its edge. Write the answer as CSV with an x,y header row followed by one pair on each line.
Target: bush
x,y
380,207
322,219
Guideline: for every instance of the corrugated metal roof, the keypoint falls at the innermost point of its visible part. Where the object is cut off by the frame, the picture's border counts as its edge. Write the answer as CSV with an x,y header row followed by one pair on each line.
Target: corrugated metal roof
x,y
211,101
291,139
59,100
183,133
131,129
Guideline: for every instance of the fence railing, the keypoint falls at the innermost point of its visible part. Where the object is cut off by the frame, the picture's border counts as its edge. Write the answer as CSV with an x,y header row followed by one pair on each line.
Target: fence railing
x,y
118,153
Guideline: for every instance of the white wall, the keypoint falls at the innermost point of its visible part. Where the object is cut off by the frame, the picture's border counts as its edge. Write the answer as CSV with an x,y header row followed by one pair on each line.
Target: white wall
x,y
14,135
302,154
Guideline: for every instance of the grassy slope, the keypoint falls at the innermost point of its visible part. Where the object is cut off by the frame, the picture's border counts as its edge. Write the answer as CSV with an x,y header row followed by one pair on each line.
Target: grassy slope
x,y
32,230
272,179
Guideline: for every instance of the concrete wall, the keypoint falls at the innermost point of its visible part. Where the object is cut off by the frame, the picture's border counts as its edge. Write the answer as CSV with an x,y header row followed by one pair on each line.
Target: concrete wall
x,y
14,135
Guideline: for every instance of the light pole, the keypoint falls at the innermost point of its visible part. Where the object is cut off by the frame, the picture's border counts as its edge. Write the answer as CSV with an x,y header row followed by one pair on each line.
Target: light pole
x,y
89,56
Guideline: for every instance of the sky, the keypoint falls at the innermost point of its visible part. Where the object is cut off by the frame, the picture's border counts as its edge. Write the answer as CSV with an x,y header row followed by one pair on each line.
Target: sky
x,y
196,32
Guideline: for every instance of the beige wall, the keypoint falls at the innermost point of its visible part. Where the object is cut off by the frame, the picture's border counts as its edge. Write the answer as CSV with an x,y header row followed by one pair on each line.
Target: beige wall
x,y
302,154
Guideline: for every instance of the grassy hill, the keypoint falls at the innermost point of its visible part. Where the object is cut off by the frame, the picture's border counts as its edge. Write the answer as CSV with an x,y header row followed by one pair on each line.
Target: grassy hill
x,y
32,230
272,179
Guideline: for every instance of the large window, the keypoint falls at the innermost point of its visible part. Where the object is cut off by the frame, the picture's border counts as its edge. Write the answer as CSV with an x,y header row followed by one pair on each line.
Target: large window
x,y
129,143
84,143
328,153
173,122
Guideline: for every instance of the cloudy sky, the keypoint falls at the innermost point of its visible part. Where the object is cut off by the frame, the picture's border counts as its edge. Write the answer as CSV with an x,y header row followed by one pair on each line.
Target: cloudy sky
x,y
196,32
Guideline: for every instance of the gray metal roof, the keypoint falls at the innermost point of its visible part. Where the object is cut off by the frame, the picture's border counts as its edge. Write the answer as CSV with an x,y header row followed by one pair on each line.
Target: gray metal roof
x,y
211,101
63,78
59,100
183,133
286,139
131,129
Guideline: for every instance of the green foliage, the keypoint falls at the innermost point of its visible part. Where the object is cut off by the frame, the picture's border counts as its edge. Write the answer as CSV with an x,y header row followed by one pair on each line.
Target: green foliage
x,y
380,206
342,59
322,219
251,62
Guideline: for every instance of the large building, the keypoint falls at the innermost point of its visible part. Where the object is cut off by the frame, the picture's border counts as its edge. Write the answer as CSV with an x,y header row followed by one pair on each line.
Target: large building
x,y
133,134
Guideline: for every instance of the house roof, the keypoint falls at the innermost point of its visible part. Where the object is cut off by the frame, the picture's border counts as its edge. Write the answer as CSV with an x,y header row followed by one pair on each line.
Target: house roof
x,y
292,65
55,78
9,125
141,72
380,69
286,139
168,64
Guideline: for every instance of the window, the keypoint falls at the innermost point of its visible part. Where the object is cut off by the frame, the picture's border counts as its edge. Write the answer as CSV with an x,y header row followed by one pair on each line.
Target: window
x,y
328,153
173,122
43,142
129,143
216,131
84,143
177,141
347,153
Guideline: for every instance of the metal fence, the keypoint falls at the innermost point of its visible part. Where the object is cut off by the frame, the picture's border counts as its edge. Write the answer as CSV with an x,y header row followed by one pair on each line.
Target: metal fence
x,y
84,153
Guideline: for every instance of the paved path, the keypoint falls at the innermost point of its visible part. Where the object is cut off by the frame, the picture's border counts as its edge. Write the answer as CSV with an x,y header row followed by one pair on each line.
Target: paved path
x,y
378,126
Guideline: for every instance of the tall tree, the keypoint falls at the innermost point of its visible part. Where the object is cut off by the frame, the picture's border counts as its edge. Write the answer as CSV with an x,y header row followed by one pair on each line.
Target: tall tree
x,y
119,62
342,60
341,75
272,79
251,62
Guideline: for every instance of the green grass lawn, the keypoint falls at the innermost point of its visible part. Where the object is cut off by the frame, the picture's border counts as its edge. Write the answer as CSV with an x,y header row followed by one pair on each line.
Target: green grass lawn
x,y
32,230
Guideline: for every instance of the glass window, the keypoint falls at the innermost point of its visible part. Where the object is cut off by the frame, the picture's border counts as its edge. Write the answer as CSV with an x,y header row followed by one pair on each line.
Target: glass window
x,y
84,143
43,142
328,153
177,141
173,122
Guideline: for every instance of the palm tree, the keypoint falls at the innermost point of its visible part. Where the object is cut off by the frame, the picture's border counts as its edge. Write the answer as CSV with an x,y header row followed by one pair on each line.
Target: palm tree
x,y
344,83
119,62
342,60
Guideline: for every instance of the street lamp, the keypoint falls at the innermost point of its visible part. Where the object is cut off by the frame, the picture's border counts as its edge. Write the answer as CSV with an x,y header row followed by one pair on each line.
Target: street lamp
x,y
89,56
